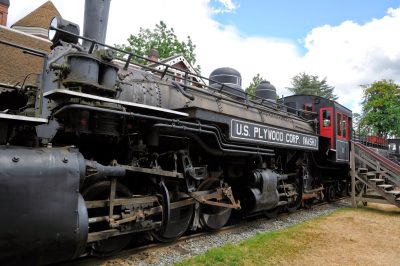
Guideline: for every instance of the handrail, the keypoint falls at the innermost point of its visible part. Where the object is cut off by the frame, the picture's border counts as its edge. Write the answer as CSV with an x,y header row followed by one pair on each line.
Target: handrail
x,y
387,163
187,73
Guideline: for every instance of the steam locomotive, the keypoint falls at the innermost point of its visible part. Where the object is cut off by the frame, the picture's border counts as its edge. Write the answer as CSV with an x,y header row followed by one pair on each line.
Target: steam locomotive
x,y
104,151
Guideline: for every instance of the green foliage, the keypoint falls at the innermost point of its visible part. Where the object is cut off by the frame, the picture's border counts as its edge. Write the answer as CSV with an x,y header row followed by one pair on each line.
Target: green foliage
x,y
251,89
381,108
311,85
164,40
359,128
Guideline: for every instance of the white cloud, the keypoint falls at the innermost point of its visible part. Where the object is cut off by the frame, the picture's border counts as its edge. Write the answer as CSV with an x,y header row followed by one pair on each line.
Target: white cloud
x,y
351,54
225,6
348,54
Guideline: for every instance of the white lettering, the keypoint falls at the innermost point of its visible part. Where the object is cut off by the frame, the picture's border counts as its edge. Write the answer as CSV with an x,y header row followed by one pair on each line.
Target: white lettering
x,y
292,138
259,133
246,130
309,141
242,130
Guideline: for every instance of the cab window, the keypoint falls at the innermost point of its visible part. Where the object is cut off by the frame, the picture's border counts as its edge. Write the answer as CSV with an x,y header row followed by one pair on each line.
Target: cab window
x,y
344,126
339,124
326,118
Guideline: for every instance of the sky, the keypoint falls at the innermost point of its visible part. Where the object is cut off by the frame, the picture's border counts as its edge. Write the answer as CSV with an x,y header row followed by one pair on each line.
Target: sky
x,y
348,42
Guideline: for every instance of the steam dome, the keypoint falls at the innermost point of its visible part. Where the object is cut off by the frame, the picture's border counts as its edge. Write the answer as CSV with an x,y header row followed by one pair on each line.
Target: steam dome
x,y
266,90
231,80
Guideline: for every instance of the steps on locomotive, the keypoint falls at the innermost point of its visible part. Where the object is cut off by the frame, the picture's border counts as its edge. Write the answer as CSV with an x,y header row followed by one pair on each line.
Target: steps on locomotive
x,y
379,179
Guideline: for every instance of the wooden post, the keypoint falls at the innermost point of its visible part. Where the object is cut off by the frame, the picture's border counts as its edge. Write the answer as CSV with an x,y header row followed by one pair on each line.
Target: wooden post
x,y
353,175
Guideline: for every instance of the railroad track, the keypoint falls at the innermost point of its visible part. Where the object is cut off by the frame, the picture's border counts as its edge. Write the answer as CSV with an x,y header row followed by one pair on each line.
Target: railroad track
x,y
86,260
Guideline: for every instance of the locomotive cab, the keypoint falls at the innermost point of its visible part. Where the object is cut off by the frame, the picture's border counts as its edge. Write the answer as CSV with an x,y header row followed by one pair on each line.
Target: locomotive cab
x,y
333,120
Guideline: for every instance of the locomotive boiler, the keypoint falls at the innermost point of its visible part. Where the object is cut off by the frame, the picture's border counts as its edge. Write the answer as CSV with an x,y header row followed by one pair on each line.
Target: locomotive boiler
x,y
104,151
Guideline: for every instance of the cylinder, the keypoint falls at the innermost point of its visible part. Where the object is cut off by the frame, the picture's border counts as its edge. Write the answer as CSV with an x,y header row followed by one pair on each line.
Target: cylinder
x,y
96,20
46,219
261,193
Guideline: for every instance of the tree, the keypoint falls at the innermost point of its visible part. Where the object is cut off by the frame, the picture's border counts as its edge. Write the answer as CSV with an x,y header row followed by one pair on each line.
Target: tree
x,y
358,127
164,40
381,108
311,85
251,89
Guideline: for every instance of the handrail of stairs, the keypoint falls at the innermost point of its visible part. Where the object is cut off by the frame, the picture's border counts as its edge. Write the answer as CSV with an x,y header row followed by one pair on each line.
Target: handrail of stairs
x,y
386,162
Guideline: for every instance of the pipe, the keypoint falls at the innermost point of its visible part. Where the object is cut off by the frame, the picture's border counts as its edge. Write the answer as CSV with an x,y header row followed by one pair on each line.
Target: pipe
x,y
181,90
222,150
185,126
95,21
101,171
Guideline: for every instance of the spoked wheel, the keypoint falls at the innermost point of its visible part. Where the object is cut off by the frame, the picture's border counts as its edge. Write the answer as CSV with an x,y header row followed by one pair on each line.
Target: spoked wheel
x,y
213,217
175,221
101,191
330,193
295,201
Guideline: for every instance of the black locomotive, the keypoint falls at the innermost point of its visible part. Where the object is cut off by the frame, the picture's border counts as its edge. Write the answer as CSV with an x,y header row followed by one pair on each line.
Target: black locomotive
x,y
104,151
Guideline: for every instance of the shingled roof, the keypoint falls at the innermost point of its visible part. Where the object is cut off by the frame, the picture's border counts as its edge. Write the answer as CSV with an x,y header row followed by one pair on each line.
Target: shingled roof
x,y
5,2
14,64
39,17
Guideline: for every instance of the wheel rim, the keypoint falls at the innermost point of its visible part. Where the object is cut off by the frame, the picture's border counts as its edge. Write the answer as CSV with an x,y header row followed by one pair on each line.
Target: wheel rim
x,y
331,193
101,191
213,217
296,203
178,221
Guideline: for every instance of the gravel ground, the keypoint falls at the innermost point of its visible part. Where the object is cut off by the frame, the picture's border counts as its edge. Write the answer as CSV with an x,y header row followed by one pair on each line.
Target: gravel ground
x,y
192,247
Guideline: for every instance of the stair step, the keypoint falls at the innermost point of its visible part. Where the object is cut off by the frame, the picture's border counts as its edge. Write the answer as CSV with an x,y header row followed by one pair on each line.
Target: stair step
x,y
362,170
381,174
393,192
371,175
385,186
377,180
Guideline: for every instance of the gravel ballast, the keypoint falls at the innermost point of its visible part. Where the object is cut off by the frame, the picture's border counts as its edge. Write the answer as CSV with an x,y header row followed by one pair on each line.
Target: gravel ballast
x,y
195,246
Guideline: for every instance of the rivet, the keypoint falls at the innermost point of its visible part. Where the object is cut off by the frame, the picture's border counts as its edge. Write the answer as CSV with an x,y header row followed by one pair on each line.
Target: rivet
x,y
15,159
65,160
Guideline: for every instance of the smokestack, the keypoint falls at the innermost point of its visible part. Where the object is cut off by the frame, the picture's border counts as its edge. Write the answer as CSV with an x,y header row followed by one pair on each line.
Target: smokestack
x,y
4,5
96,20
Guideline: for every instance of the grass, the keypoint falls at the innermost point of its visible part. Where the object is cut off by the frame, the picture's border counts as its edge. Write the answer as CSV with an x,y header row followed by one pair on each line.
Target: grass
x,y
266,248
277,247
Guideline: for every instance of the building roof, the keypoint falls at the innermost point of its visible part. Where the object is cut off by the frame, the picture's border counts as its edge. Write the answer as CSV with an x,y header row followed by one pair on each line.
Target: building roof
x,y
40,17
175,61
16,65
5,2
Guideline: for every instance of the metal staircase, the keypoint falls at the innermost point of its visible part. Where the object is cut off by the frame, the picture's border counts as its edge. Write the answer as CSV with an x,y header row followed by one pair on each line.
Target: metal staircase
x,y
378,178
